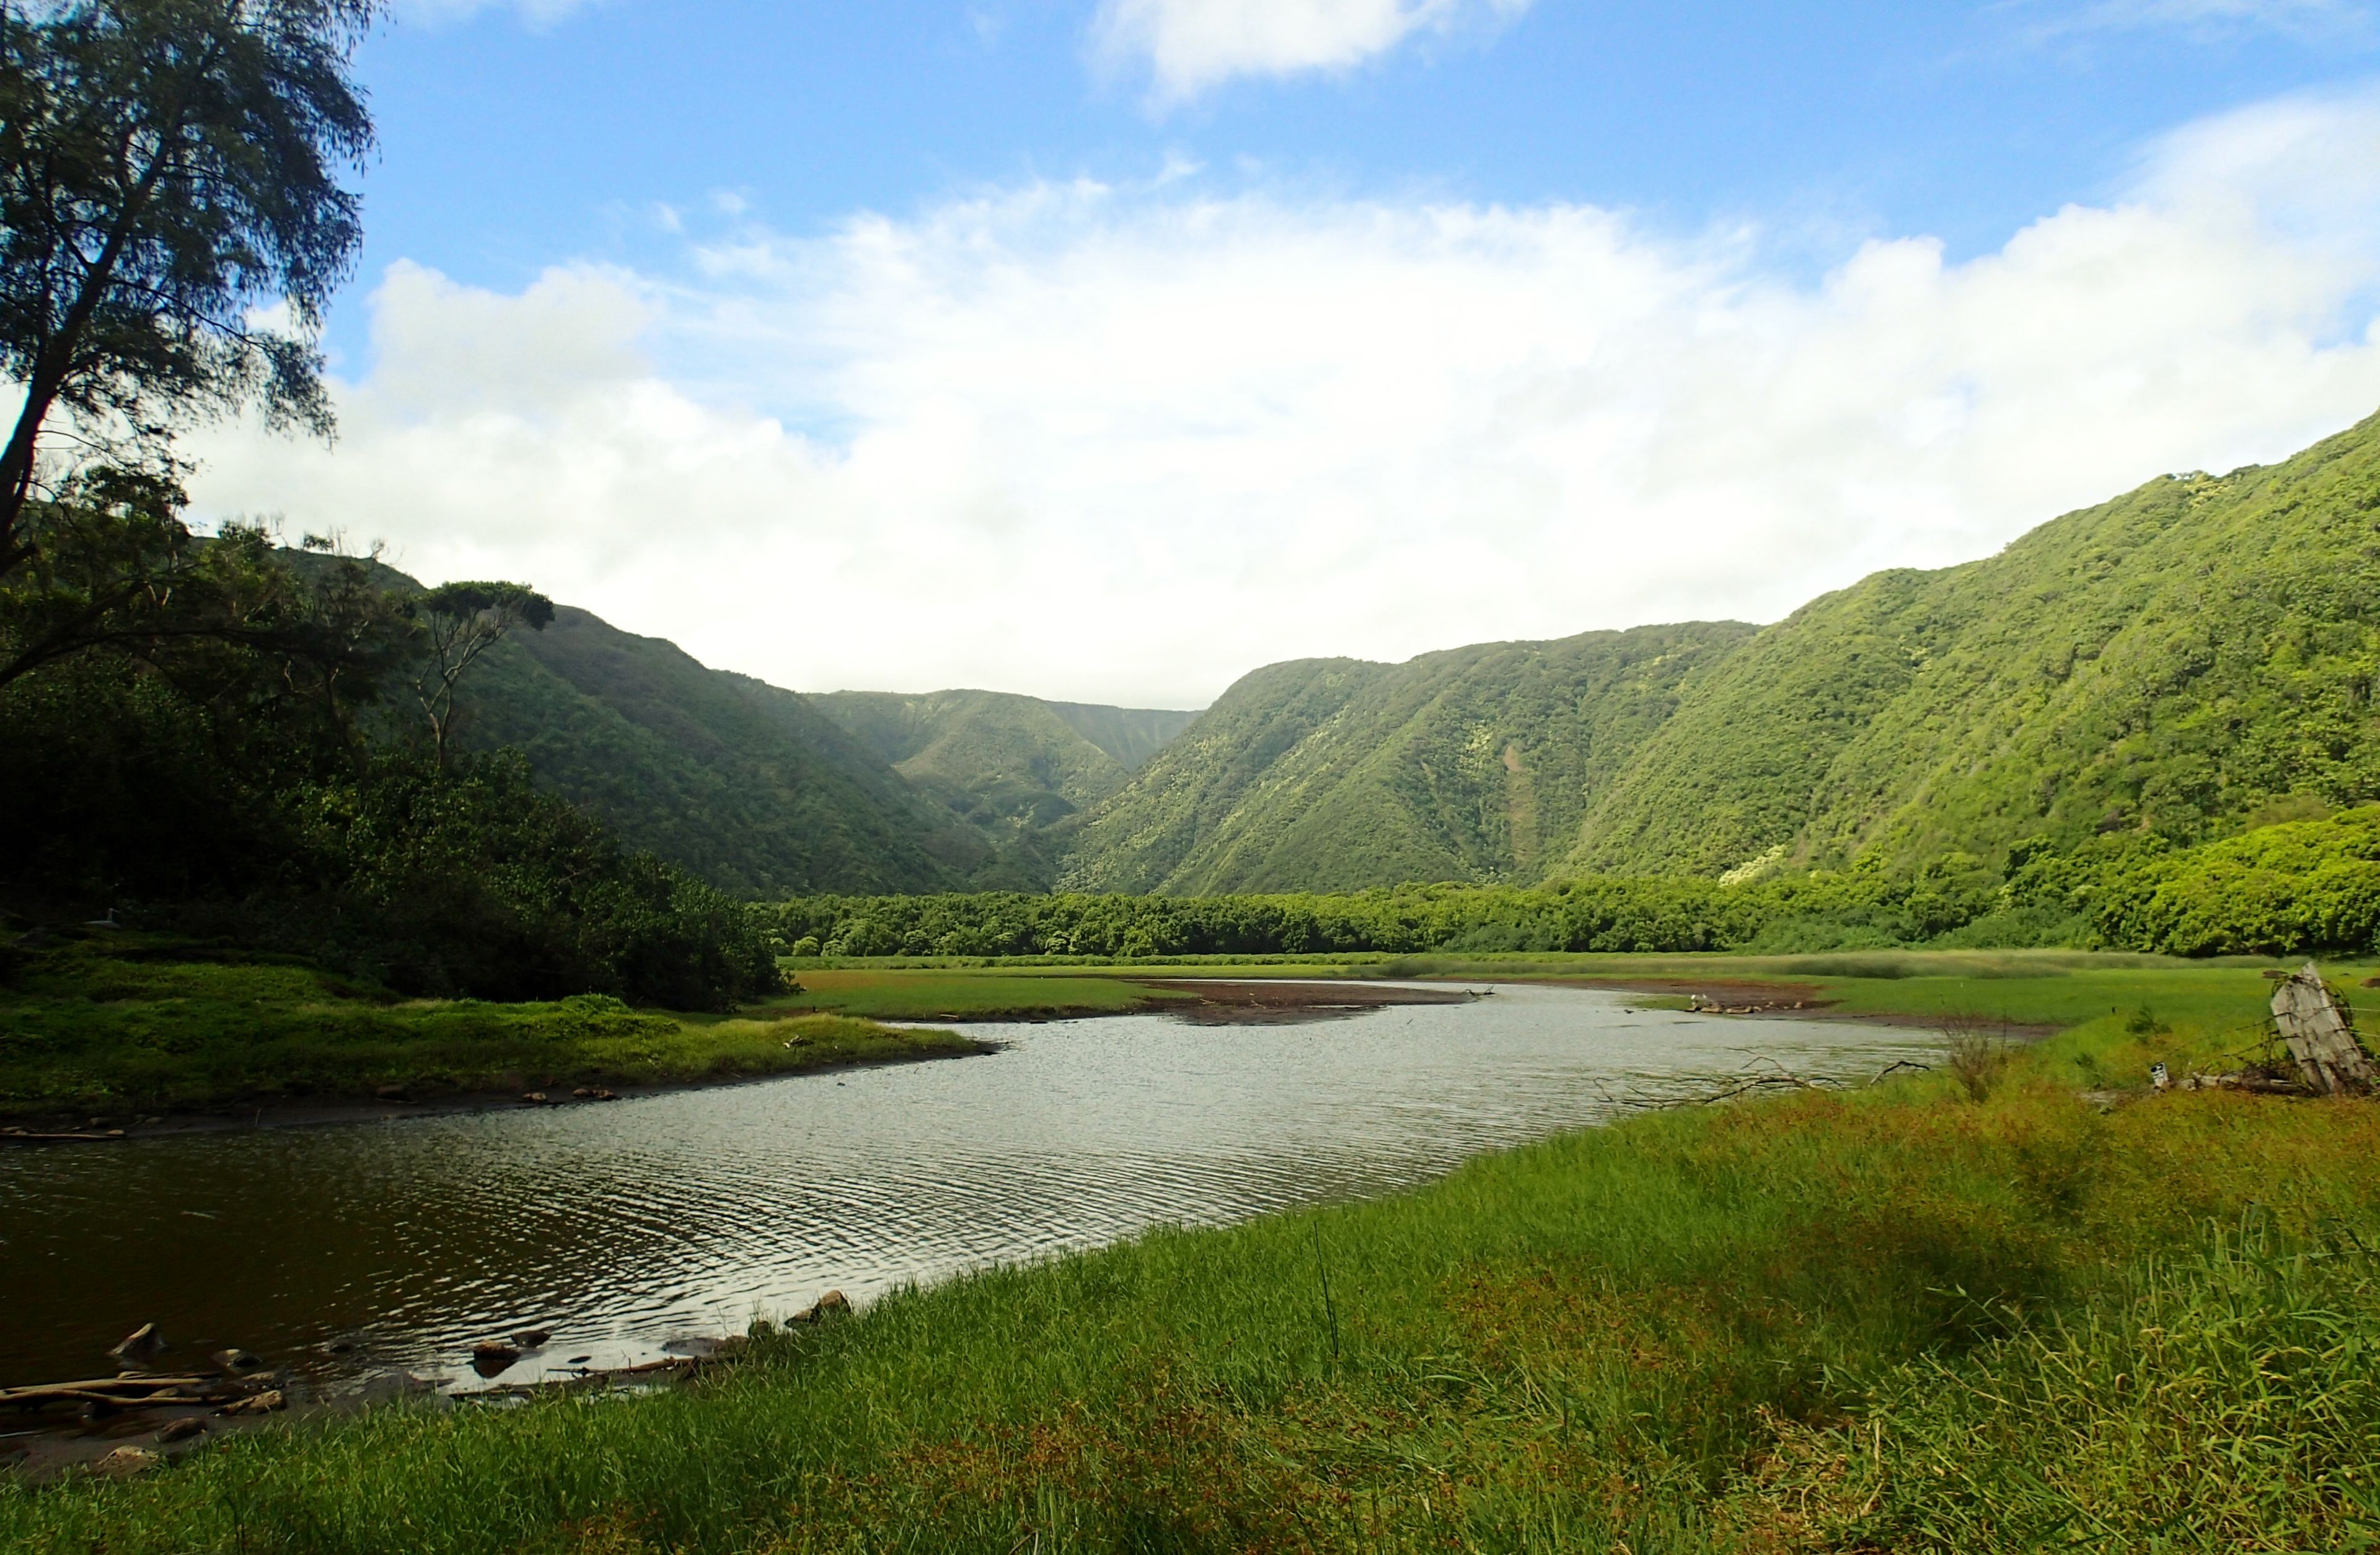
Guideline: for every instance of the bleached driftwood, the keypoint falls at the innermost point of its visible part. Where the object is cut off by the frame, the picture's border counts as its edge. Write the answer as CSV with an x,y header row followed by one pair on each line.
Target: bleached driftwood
x,y
2319,1036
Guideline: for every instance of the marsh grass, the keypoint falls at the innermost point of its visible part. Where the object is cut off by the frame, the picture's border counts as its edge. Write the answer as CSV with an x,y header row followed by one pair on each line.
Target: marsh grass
x,y
1977,1054
1889,1319
114,1029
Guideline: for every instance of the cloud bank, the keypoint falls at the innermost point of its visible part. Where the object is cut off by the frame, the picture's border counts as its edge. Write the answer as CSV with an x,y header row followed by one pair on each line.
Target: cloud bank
x,y
1122,445
1189,46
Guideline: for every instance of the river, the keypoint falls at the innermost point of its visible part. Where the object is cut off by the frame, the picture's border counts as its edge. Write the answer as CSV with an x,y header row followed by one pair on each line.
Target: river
x,y
348,1251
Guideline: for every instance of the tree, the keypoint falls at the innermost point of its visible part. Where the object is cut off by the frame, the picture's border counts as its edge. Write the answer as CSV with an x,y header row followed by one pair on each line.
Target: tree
x,y
172,225
461,621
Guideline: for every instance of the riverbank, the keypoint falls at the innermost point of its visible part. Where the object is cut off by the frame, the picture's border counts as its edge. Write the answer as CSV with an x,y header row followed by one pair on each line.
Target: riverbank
x,y
123,1035
116,1034
1935,1314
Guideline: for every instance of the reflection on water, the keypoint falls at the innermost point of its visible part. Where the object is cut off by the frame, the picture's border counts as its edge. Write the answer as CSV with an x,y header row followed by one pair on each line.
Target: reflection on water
x,y
352,1249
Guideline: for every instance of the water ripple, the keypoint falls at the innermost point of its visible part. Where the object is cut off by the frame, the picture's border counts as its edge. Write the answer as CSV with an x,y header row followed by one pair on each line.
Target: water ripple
x,y
624,1226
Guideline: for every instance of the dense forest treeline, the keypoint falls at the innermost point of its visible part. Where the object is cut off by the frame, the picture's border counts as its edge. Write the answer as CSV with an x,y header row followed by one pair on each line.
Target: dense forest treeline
x,y
2307,885
251,752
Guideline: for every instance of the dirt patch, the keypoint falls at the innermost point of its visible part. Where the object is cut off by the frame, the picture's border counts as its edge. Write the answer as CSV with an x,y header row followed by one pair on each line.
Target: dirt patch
x,y
1272,1003
1732,996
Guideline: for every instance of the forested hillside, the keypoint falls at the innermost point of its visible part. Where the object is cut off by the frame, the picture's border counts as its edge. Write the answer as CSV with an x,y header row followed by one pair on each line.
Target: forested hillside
x,y
1473,764
748,785
1016,769
2193,656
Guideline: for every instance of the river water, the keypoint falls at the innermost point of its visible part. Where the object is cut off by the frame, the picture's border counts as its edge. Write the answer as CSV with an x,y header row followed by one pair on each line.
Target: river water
x,y
348,1251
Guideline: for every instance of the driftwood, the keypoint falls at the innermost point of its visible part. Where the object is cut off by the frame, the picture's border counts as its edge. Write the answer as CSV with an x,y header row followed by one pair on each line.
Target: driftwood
x,y
2319,1036
117,1392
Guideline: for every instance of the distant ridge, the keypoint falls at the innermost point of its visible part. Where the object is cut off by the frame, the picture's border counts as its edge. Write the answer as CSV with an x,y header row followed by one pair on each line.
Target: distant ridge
x,y
2192,657
1015,769
1322,774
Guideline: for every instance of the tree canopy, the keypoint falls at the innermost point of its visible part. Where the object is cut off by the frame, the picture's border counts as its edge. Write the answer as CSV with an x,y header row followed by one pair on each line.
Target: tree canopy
x,y
172,223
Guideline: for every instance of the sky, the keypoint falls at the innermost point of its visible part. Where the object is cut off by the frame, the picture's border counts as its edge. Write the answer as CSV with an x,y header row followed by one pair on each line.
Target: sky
x,y
1107,349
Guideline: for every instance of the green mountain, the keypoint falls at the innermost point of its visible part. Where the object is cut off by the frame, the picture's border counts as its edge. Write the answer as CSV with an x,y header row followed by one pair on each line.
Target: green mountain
x,y
2195,657
1015,769
748,785
1473,764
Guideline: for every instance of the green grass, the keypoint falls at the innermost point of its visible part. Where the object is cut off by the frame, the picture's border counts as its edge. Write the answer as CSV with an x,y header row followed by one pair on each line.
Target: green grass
x,y
117,1028
1887,1319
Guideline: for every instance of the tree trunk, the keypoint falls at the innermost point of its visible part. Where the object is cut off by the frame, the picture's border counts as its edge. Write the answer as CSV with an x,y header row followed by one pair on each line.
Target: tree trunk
x,y
2330,1058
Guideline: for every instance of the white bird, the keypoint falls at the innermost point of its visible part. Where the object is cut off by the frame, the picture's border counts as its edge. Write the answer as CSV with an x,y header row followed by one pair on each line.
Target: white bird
x,y
107,922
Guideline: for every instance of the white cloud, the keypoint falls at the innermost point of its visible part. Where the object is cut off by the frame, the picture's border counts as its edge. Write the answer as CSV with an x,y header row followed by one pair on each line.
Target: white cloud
x,y
1191,45
1113,445
537,13
2206,17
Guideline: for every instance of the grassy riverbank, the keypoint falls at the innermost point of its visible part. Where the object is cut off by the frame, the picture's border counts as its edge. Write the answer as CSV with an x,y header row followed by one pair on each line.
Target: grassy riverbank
x,y
1900,1318
115,1029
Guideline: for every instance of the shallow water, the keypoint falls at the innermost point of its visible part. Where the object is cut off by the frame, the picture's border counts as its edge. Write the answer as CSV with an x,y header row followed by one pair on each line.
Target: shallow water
x,y
350,1250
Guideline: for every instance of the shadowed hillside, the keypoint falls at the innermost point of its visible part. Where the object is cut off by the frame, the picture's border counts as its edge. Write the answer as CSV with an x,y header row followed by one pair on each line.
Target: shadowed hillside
x,y
748,785
1015,769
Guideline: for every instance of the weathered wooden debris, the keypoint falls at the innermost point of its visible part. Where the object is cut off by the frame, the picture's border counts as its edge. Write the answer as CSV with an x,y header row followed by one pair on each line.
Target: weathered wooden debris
x,y
2263,1085
139,1344
119,1392
2319,1036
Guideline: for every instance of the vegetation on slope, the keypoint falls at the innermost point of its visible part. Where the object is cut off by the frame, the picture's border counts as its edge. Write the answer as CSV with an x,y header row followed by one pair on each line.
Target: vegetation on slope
x,y
1015,769
1473,764
227,763
2180,663
1767,1328
747,786
2190,660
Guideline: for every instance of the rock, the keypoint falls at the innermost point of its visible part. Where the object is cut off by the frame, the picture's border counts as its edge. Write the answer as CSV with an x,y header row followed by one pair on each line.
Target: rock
x,y
182,1429
826,1305
139,1344
529,1339
385,1386
127,1460
239,1362
493,1356
535,1098
264,1403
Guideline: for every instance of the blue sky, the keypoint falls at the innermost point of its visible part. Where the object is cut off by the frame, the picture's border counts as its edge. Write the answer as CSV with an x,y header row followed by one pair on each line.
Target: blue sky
x,y
513,138
1037,324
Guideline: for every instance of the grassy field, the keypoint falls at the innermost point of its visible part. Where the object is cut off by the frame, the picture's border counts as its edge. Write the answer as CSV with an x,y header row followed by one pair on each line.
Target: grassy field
x,y
1897,1319
115,1029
